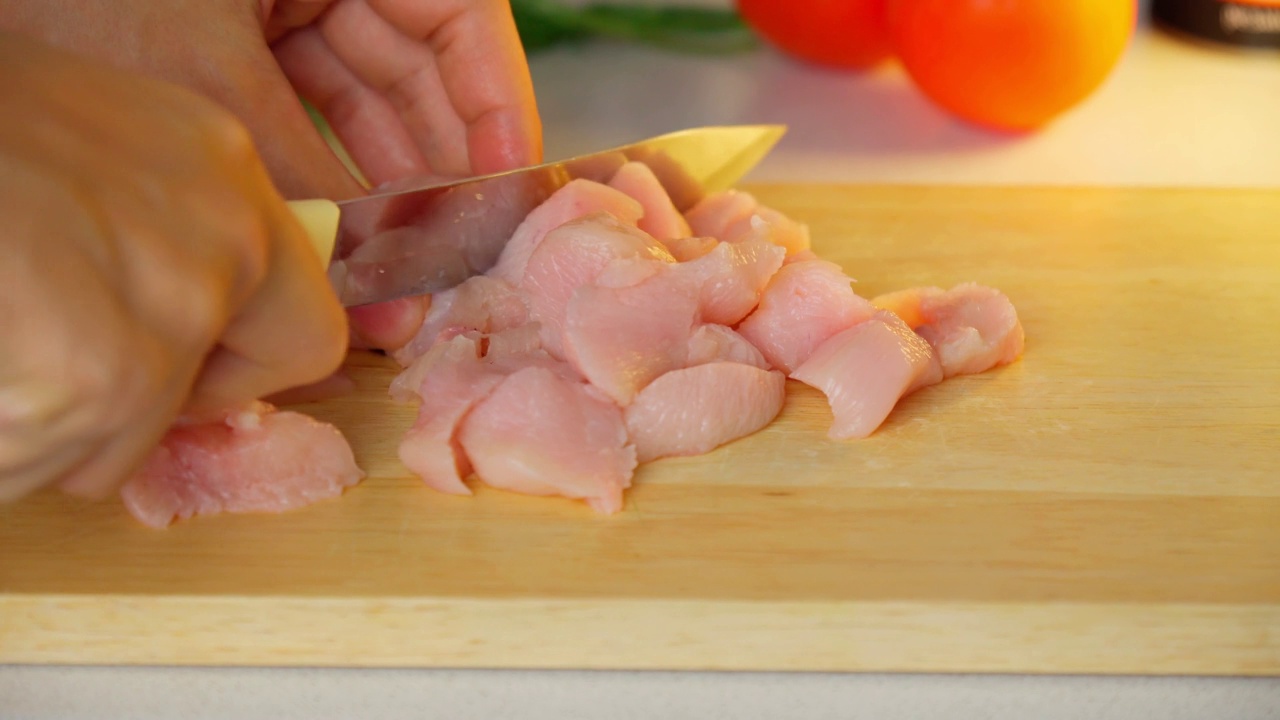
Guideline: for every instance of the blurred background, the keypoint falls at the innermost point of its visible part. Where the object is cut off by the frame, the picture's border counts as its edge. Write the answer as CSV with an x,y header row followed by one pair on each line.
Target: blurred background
x,y
1172,109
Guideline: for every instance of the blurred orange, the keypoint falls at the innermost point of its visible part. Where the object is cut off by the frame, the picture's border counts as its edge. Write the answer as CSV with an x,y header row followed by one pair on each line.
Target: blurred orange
x,y
1010,64
838,33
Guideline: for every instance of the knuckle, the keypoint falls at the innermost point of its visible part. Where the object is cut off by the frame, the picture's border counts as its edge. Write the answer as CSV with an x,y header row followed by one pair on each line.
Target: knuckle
x,y
331,343
248,238
204,311
228,137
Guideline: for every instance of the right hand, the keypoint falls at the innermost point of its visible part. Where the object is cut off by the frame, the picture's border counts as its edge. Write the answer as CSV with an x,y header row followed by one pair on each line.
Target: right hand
x,y
150,270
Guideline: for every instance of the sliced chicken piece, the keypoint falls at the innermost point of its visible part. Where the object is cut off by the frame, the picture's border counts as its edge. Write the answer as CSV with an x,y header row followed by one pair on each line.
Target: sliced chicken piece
x,y
481,304
732,277
723,215
782,230
578,198
257,460
622,338
573,255
804,304
660,219
864,370
694,410
715,343
690,248
971,327
733,215
449,380
540,434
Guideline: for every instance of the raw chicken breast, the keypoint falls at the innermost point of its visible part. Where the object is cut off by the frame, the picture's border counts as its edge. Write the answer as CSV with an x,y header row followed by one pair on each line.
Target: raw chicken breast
x,y
864,370
783,231
481,303
660,219
732,215
258,460
622,338
573,255
732,276
723,215
450,379
971,327
694,410
460,231
713,343
690,248
804,304
578,198
540,434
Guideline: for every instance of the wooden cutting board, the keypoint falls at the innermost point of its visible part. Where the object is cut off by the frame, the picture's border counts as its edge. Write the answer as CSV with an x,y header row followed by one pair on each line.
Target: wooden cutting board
x,y
1109,504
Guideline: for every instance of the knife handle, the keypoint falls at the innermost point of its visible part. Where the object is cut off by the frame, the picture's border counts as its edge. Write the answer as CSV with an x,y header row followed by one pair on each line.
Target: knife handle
x,y
319,218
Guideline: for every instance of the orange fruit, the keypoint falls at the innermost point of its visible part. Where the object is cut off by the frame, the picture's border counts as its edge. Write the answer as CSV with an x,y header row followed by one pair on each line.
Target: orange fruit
x,y
1010,64
836,33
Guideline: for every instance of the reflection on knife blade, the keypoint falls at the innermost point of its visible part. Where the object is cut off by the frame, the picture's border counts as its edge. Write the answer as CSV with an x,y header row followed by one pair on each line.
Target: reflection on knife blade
x,y
430,239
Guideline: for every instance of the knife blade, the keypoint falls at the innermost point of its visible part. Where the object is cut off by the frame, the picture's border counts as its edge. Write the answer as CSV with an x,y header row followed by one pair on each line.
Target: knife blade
x,y
433,236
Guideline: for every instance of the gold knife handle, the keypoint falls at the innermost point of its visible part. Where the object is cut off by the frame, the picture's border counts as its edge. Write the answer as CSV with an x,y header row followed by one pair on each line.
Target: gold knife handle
x,y
319,218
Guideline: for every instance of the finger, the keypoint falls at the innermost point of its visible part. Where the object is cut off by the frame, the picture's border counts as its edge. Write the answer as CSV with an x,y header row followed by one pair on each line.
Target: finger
x,y
26,479
336,385
403,70
291,332
388,325
283,16
300,161
482,66
366,123
118,458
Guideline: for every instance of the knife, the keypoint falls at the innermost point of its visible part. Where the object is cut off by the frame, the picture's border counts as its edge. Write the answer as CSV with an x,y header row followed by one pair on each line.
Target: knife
x,y
434,235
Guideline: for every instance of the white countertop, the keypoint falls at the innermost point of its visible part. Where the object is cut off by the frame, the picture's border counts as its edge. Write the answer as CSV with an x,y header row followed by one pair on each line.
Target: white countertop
x,y
1172,114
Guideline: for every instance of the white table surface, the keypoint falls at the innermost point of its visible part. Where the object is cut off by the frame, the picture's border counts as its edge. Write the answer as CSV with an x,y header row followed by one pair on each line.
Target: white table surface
x,y
1172,114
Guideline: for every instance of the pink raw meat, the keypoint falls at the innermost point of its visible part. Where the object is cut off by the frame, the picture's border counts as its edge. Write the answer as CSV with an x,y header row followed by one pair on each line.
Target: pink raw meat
x,y
694,410
864,370
971,327
660,219
481,303
804,304
573,255
732,276
802,256
732,215
782,230
690,248
713,343
578,198
723,215
540,434
620,339
258,460
450,379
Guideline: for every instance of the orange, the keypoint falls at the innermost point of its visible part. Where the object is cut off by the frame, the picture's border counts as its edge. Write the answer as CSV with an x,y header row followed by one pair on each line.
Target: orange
x,y
1010,64
836,33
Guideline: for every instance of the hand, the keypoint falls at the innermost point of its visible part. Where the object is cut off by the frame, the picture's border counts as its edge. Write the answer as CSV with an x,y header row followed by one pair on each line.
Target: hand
x,y
413,87
150,269
409,86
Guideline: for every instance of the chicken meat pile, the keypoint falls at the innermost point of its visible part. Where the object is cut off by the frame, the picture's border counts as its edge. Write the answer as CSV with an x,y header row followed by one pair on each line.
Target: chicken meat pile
x,y
614,330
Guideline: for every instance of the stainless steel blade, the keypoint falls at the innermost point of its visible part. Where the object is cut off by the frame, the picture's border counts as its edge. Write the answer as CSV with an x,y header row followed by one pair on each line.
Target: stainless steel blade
x,y
430,238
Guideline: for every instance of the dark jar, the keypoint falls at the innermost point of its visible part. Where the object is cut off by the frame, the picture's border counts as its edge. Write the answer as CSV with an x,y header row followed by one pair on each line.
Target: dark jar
x,y
1248,23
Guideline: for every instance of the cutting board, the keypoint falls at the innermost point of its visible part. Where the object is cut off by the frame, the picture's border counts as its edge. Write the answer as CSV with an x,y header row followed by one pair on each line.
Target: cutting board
x,y
1108,504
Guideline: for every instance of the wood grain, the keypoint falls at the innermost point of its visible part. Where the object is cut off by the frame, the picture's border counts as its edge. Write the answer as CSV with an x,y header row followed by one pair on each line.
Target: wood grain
x,y
1108,504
